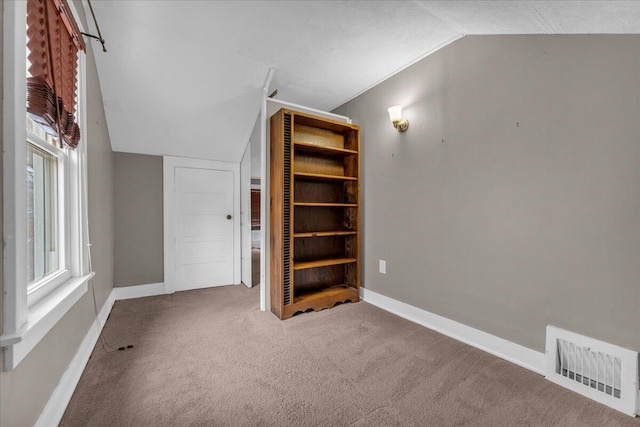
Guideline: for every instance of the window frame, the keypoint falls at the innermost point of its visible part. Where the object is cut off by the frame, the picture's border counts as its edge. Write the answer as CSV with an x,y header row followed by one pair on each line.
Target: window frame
x,y
43,286
28,318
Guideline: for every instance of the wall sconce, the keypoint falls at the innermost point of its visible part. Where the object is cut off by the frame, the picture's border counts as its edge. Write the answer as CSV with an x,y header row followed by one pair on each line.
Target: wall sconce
x,y
395,114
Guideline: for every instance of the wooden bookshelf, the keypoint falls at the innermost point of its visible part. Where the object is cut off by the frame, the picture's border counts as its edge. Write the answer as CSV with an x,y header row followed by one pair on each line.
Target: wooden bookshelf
x,y
328,151
315,211
324,293
321,176
322,263
324,234
327,205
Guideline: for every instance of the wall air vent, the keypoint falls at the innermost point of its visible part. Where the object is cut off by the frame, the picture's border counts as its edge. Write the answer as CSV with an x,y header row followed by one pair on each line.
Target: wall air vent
x,y
603,372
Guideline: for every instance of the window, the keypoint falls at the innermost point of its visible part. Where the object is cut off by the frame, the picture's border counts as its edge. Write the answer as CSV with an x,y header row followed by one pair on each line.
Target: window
x,y
42,214
44,195
52,45
47,226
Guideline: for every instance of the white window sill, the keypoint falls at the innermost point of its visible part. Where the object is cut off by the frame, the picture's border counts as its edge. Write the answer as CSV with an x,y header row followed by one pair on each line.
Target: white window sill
x,y
42,316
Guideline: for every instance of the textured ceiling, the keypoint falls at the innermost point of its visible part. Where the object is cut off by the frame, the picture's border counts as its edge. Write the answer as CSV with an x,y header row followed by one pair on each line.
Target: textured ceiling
x,y
185,77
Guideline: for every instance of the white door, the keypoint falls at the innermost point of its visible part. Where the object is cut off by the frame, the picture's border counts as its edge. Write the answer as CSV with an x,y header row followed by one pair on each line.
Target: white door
x,y
204,228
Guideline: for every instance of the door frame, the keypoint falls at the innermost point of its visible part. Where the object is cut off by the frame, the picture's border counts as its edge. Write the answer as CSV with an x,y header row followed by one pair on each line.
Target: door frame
x,y
169,165
245,217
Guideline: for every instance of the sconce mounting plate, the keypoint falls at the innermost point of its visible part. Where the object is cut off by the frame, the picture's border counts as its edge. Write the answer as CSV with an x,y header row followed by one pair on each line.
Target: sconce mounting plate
x,y
401,125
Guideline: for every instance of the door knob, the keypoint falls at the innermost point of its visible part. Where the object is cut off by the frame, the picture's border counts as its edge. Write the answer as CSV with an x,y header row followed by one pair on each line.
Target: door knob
x,y
228,216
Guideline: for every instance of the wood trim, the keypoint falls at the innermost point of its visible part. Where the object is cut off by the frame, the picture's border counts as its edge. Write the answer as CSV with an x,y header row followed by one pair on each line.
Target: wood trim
x,y
332,151
321,301
325,234
322,176
327,205
321,122
323,263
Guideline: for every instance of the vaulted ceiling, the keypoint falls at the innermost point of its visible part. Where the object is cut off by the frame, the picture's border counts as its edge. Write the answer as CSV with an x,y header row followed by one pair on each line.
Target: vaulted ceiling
x,y
185,77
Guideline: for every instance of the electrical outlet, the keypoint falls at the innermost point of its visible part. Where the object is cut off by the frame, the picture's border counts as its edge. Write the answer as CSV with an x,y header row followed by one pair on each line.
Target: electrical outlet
x,y
383,266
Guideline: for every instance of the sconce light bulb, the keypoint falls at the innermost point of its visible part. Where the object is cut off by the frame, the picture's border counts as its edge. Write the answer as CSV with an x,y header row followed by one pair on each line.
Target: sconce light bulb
x,y
395,114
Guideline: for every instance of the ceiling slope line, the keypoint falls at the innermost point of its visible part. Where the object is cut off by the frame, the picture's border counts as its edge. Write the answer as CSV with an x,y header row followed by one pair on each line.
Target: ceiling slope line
x,y
404,67
533,9
440,18
265,90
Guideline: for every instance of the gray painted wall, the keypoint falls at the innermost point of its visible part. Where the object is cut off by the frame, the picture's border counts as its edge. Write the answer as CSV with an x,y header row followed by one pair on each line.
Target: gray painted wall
x,y
513,200
25,391
138,249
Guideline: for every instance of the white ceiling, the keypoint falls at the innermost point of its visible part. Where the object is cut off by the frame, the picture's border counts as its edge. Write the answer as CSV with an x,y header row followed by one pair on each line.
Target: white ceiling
x,y
185,77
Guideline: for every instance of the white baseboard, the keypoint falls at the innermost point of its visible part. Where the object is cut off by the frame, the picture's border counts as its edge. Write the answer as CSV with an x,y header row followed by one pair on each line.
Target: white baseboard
x,y
507,350
57,404
138,291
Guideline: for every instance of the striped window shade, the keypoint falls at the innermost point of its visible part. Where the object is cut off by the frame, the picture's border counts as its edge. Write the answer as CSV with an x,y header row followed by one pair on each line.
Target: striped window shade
x,y
53,42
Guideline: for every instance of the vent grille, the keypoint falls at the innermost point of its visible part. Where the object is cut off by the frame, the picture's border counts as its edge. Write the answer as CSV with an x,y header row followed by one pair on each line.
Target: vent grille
x,y
601,371
597,370
287,210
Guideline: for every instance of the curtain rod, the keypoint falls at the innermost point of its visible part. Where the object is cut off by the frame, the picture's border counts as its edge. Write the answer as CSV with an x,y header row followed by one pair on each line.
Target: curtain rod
x,y
99,36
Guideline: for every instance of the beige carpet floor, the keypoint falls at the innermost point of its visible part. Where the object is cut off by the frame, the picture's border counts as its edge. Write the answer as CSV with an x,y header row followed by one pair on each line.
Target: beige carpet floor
x,y
211,358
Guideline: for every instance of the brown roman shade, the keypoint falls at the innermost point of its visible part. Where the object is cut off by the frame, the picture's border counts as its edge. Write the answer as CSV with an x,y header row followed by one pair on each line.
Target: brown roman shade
x,y
53,42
